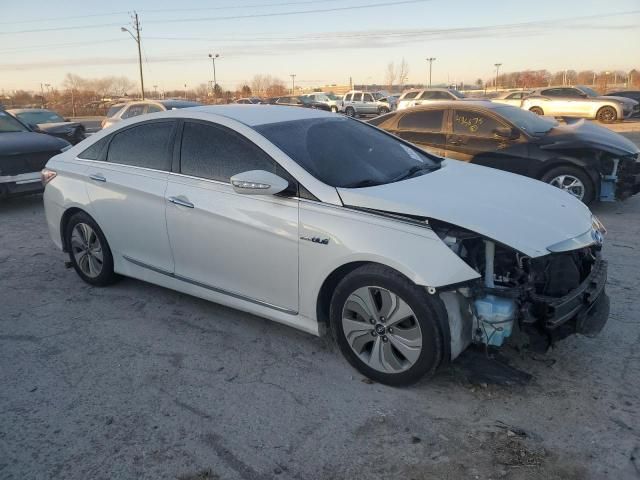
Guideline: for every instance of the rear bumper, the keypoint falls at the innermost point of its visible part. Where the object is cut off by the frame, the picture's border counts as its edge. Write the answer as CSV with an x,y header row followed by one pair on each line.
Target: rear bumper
x,y
20,184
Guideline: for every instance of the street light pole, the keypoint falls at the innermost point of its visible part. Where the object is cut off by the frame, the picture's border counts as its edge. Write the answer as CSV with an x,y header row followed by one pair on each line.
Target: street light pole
x,y
213,61
430,60
136,38
497,65
293,83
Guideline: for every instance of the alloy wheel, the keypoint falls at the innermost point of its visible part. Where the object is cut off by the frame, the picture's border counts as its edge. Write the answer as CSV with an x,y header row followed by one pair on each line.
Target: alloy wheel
x,y
570,184
87,250
382,329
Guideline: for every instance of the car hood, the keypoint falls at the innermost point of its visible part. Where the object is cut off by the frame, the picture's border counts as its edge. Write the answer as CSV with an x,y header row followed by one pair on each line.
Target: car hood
x,y
58,127
583,134
14,143
519,212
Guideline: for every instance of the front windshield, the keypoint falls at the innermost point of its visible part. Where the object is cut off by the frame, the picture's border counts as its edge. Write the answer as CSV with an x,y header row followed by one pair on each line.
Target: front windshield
x,y
321,97
9,124
346,153
456,93
525,120
589,92
332,96
34,118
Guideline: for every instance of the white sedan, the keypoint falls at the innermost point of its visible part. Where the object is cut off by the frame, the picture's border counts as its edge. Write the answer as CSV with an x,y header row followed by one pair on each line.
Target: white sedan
x,y
316,220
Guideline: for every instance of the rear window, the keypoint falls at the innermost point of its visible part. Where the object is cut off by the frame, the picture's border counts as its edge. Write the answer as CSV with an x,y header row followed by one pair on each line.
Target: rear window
x,y
9,124
429,120
410,95
113,110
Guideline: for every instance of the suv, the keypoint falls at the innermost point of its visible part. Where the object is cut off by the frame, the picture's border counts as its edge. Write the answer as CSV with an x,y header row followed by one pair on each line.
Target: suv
x,y
357,102
412,98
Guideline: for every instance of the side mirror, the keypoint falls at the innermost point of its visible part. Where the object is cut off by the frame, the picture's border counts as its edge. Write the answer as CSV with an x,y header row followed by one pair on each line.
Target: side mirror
x,y
507,133
258,182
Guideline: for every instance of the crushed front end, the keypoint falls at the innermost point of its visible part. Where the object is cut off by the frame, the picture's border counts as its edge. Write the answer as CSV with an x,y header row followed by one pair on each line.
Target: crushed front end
x,y
545,298
619,176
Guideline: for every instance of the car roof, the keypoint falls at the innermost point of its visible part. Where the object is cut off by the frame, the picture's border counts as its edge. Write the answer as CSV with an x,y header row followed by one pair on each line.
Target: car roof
x,y
254,115
457,104
27,110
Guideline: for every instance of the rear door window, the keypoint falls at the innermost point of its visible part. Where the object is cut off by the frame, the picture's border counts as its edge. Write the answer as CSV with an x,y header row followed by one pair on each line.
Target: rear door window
x,y
426,120
410,95
149,145
368,97
348,97
469,122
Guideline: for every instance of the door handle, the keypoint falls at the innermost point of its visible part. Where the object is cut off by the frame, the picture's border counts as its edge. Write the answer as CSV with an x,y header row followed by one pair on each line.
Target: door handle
x,y
179,201
97,177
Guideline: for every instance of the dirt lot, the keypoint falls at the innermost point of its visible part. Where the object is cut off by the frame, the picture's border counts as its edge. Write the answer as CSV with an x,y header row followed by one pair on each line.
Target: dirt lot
x,y
135,381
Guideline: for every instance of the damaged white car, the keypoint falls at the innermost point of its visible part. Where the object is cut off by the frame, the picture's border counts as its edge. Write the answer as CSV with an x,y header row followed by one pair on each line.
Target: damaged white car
x,y
316,220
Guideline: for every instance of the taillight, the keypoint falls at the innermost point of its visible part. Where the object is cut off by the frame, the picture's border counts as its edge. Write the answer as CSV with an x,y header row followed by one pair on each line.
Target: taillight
x,y
47,175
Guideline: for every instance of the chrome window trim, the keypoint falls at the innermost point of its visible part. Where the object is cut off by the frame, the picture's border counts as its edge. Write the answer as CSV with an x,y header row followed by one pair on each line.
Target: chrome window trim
x,y
222,291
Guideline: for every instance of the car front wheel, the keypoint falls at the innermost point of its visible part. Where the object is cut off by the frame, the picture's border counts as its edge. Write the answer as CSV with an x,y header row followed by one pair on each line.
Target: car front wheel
x,y
89,251
536,110
572,180
387,327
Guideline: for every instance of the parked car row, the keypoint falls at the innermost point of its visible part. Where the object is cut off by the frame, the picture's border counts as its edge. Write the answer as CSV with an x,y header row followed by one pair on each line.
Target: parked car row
x,y
323,222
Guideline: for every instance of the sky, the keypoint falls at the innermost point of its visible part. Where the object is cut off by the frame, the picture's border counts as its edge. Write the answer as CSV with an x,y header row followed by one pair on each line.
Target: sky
x,y
321,42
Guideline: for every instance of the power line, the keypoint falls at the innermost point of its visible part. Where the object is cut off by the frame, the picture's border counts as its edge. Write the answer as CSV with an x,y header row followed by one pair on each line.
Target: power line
x,y
229,17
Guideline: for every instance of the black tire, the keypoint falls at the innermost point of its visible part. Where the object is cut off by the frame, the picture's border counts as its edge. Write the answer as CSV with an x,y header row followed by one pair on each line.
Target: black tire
x,y
428,311
383,110
107,275
536,110
589,189
607,115
350,112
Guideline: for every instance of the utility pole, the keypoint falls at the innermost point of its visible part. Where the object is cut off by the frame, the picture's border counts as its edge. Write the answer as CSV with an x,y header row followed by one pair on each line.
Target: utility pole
x,y
293,83
497,65
42,94
213,57
136,38
430,60
155,91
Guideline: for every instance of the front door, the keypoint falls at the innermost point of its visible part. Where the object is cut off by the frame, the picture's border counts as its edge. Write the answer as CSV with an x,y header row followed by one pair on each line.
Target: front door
x,y
473,139
126,186
245,246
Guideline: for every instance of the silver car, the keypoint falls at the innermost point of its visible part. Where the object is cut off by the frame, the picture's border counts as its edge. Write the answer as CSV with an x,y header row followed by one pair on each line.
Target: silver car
x,y
579,101
122,111
325,98
357,102
412,98
512,98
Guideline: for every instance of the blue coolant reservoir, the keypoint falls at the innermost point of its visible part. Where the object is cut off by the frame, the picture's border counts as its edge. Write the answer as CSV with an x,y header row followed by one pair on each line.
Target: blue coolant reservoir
x,y
495,316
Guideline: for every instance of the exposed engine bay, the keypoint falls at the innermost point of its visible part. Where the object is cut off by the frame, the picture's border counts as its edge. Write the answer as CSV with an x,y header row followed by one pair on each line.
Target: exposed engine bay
x,y
547,298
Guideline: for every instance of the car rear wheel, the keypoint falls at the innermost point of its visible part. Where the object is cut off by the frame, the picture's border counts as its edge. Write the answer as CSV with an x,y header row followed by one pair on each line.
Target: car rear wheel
x,y
572,180
386,326
89,251
607,115
536,110
350,112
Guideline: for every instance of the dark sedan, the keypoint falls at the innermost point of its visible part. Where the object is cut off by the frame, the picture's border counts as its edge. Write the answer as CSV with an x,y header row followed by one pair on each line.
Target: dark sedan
x,y
46,121
23,154
586,160
632,94
295,101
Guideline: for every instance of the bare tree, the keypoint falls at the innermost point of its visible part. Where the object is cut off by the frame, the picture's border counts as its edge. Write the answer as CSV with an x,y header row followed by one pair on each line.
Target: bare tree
x,y
122,85
391,75
403,72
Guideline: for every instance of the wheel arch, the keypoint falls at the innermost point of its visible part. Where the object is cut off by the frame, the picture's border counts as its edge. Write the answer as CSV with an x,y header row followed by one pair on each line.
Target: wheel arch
x,y
562,161
64,222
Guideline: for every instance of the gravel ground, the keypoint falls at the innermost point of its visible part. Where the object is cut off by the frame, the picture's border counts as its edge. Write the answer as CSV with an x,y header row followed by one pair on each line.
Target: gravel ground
x,y
135,381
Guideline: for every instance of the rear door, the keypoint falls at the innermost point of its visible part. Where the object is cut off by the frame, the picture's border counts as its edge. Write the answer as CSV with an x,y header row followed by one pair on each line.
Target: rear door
x,y
245,246
356,102
424,128
127,186
473,139
368,104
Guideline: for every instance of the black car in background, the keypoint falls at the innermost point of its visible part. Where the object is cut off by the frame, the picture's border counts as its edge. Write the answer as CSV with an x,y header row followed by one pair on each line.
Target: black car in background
x,y
47,121
584,159
632,94
23,154
295,101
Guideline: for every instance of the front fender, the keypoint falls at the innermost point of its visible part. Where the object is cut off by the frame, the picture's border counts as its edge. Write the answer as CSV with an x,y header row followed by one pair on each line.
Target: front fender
x,y
331,237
